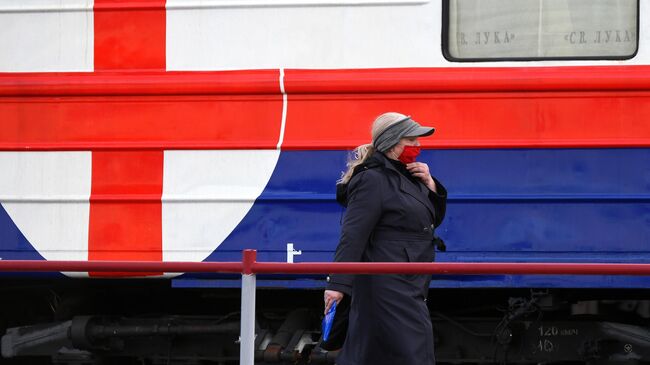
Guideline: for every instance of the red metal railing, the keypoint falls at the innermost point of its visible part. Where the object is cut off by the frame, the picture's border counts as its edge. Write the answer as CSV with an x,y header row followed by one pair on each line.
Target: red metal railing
x,y
250,265
118,266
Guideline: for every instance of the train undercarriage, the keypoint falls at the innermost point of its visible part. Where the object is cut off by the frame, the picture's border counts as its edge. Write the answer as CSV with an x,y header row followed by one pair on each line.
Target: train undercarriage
x,y
147,322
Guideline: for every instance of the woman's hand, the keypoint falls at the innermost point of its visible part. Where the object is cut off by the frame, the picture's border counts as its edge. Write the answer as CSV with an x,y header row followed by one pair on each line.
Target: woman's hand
x,y
421,171
332,296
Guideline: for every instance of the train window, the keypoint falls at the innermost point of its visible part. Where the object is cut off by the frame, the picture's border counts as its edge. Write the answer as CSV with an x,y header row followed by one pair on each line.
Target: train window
x,y
489,30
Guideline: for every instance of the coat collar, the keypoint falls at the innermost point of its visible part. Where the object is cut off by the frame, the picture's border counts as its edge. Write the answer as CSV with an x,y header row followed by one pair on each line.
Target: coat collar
x,y
419,191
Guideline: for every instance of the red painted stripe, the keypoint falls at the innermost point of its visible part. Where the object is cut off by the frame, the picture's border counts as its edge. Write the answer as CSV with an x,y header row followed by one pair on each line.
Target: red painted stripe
x,y
495,120
133,39
126,229
474,107
129,5
325,121
142,83
128,123
359,81
126,197
498,79
610,115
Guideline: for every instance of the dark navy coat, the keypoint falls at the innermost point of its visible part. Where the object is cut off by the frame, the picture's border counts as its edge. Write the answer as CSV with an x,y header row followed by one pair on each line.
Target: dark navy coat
x,y
389,218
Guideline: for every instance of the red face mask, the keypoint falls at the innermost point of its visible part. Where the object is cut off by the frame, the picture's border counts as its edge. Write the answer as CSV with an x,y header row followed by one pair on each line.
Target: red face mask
x,y
409,154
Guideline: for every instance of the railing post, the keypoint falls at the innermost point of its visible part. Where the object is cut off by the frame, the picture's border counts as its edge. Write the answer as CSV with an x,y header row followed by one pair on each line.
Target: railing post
x,y
247,325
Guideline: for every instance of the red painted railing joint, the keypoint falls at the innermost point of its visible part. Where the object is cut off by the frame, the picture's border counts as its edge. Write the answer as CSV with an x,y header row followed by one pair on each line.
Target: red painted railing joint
x,y
248,261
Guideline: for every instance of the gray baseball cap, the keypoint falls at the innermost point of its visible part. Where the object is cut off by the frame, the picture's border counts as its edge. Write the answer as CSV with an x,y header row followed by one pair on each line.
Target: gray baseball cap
x,y
414,129
406,127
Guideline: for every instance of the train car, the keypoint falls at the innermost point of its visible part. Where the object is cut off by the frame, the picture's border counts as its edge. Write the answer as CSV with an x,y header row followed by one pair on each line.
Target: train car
x,y
186,130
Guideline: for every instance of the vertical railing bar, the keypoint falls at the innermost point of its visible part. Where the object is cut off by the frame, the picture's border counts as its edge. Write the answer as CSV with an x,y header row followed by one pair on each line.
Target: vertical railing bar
x,y
247,344
247,323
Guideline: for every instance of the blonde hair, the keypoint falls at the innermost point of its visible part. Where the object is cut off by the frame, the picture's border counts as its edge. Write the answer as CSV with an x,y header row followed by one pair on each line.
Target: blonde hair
x,y
360,154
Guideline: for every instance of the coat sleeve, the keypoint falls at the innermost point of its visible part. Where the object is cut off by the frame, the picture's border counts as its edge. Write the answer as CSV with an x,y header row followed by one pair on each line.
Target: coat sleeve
x,y
439,201
362,214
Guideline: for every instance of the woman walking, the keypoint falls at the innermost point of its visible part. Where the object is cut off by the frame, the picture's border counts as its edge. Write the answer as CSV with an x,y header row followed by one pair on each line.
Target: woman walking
x,y
393,207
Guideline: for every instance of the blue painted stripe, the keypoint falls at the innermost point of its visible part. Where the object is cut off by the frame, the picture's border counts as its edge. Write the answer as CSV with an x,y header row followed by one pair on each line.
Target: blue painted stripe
x,y
13,244
517,205
315,197
454,281
510,172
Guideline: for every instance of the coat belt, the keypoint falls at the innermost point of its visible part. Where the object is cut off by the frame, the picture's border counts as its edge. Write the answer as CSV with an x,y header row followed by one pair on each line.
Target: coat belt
x,y
393,235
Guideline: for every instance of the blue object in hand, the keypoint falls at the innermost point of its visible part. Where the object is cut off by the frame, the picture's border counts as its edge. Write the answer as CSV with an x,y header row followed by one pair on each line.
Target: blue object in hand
x,y
328,320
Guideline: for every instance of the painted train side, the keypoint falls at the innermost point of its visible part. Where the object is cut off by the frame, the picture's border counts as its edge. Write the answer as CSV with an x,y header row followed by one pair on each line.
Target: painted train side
x,y
189,131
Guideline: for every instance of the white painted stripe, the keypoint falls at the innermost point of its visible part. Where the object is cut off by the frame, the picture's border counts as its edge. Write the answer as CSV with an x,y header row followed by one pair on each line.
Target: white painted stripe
x,y
386,35
284,109
8,198
198,212
540,30
41,6
57,229
299,37
206,194
207,4
282,81
46,36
